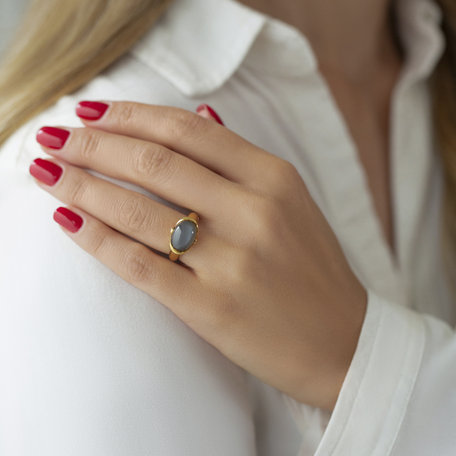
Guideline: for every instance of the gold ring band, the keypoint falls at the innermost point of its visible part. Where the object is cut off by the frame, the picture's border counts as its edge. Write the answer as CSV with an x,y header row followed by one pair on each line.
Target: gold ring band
x,y
188,233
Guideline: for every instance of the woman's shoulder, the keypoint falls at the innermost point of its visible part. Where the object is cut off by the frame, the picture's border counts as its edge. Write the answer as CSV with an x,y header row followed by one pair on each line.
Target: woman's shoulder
x,y
177,62
126,79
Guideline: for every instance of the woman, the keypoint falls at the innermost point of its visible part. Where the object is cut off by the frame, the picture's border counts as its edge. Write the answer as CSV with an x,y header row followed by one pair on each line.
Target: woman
x,y
314,315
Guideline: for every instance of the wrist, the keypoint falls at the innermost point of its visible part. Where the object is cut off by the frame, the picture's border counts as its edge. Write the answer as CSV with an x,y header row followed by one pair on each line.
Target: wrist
x,y
322,384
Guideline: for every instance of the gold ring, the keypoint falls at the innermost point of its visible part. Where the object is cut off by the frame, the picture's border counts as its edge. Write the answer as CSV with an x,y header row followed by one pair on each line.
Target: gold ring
x,y
183,235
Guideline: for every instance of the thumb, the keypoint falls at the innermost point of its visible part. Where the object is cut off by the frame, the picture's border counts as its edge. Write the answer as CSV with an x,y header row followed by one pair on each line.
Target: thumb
x,y
206,111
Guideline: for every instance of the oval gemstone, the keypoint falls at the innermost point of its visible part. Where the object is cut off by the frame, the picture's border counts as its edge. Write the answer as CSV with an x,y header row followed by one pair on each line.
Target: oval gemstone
x,y
183,235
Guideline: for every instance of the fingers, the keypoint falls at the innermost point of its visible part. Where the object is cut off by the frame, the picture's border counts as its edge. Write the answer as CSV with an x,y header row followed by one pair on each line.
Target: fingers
x,y
156,168
174,286
208,143
129,212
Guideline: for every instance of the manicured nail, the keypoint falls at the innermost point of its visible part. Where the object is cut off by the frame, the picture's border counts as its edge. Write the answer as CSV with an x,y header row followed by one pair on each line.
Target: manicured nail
x,y
45,171
68,219
212,113
52,137
91,110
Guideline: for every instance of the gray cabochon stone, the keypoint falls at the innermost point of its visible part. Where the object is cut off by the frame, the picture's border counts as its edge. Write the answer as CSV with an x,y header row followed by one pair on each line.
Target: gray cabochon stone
x,y
184,235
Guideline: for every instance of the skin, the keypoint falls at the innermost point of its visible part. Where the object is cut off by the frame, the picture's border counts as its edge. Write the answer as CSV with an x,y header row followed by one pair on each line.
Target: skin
x,y
296,321
289,312
361,80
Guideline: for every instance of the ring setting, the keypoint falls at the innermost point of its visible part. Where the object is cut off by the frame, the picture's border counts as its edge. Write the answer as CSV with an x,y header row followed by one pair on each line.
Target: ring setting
x,y
183,235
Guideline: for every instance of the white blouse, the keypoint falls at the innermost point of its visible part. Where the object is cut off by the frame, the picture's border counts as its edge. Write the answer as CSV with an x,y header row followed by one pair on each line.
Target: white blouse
x,y
90,365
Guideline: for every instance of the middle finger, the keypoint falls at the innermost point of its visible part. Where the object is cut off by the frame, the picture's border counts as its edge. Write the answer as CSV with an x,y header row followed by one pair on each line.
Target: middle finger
x,y
152,166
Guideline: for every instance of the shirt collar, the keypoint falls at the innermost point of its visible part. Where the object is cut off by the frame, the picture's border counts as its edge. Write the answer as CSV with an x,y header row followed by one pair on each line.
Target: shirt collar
x,y
421,34
198,44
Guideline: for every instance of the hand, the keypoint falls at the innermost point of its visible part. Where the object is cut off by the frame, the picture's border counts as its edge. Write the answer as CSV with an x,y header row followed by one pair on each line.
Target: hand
x,y
267,283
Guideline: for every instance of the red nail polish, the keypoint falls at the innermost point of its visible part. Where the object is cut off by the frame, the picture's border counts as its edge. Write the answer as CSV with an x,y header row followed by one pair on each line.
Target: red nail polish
x,y
91,110
52,137
45,171
213,114
68,219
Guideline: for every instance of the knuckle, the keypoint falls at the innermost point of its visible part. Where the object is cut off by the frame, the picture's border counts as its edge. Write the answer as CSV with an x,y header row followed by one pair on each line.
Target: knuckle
x,y
184,123
237,266
125,113
99,244
152,161
78,191
267,210
89,144
283,174
243,265
134,215
267,215
138,266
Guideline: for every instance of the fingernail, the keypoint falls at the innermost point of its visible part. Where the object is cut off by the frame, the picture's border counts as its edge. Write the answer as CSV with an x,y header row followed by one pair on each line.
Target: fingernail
x,y
45,171
91,110
68,219
52,137
212,113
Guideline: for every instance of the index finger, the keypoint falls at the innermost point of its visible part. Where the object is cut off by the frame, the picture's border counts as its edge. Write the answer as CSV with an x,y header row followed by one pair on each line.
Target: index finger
x,y
188,133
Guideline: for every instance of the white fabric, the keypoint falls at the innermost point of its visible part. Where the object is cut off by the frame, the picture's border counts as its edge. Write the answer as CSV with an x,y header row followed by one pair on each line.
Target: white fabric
x,y
91,366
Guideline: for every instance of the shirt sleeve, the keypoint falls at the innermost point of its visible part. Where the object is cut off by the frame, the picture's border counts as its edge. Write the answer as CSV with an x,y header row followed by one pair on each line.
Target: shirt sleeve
x,y
399,394
89,364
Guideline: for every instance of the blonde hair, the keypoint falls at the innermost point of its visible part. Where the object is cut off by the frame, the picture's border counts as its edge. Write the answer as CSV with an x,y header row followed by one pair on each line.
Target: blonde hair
x,y
444,91
60,46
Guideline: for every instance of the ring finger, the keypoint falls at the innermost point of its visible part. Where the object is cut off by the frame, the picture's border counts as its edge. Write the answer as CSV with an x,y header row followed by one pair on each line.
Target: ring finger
x,y
127,211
